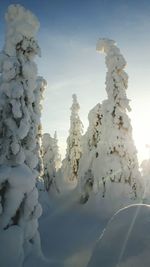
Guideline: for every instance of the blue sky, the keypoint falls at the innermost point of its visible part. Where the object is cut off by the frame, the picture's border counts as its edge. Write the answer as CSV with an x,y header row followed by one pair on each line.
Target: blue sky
x,y
70,64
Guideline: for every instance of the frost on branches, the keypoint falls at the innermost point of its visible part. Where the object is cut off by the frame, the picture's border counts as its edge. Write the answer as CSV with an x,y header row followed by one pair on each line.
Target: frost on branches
x,y
20,95
73,153
90,141
117,160
51,161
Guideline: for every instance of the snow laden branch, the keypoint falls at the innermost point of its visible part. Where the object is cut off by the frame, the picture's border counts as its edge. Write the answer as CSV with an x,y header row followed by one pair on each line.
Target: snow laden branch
x,y
20,97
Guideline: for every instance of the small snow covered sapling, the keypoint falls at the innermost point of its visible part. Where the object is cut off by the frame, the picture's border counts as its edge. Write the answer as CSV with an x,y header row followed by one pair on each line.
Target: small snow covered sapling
x,y
51,161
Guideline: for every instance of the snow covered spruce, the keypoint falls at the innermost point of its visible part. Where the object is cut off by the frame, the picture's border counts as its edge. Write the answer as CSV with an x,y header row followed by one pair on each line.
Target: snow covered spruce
x,y
51,161
89,144
70,164
20,96
57,156
117,156
37,126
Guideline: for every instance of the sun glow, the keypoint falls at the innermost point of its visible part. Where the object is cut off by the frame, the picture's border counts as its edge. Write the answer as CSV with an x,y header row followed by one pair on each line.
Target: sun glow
x,y
141,135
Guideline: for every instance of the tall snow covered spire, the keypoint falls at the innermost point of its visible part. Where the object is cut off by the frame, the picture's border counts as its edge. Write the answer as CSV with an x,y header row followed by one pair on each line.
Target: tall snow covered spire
x,y
19,119
75,106
57,157
116,77
73,153
119,161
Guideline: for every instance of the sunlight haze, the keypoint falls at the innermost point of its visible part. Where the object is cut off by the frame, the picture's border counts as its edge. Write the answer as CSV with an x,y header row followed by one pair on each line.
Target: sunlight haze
x,y
70,64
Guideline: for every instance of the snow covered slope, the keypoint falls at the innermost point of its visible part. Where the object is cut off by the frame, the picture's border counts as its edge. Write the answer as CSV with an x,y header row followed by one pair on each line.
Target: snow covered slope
x,y
68,231
126,240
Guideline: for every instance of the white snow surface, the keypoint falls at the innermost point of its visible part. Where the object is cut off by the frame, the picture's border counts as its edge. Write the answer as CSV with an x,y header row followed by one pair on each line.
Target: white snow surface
x,y
68,230
71,233
125,241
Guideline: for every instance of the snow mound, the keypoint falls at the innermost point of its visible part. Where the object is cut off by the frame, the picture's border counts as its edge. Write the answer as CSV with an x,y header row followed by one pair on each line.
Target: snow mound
x,y
125,241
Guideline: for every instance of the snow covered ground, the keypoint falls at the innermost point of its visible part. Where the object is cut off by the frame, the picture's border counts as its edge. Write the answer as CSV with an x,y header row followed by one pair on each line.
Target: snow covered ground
x,y
68,231
126,240
73,235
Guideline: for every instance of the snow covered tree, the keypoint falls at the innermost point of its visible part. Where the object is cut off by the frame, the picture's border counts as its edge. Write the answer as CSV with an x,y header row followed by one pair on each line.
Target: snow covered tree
x,y
73,153
57,157
89,144
37,107
50,161
20,94
94,129
117,155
